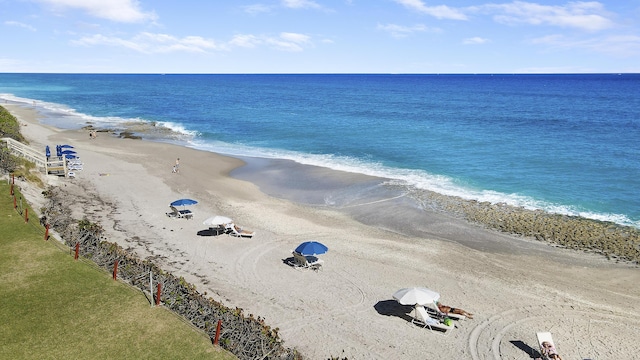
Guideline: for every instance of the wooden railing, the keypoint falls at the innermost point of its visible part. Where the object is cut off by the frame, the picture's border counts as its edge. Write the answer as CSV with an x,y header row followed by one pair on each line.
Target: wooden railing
x,y
55,164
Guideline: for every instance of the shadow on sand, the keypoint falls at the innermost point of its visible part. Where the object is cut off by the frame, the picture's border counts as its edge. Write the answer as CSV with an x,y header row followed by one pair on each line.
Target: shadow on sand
x,y
393,308
210,232
289,261
533,353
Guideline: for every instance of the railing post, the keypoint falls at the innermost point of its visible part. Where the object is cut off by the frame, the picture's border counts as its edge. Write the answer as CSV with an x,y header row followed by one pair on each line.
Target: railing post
x,y
158,294
115,270
77,251
151,286
46,232
26,215
216,339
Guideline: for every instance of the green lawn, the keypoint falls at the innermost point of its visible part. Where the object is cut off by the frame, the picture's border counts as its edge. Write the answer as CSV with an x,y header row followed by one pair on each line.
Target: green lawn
x,y
53,307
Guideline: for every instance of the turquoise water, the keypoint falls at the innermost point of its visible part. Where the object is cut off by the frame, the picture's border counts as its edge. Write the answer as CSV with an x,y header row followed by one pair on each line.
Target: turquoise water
x,y
561,143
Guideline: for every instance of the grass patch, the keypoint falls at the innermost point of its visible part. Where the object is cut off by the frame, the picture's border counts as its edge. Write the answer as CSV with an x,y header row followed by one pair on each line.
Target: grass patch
x,y
56,308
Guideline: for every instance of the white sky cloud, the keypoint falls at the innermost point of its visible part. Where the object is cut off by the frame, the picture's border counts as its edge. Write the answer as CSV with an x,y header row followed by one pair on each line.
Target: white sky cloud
x,y
154,43
618,45
596,34
289,42
149,43
127,11
246,41
257,9
400,31
439,12
589,16
584,15
300,4
19,24
475,41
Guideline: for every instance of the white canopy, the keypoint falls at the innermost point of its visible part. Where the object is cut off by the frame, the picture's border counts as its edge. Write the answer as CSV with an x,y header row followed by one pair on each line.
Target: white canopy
x,y
416,296
217,220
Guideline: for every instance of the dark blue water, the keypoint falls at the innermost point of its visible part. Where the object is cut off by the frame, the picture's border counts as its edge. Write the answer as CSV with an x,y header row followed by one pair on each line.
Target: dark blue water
x,y
562,143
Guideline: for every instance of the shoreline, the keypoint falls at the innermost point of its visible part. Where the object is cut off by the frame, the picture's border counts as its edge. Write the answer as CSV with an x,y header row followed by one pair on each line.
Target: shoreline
x,y
322,314
349,193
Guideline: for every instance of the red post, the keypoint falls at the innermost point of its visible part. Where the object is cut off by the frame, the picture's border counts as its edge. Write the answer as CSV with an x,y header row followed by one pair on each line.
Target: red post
x,y
11,189
216,339
46,232
77,251
15,203
115,270
26,215
158,294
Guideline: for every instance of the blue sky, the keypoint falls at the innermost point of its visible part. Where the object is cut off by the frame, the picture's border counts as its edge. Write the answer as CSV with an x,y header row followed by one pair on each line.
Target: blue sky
x,y
316,36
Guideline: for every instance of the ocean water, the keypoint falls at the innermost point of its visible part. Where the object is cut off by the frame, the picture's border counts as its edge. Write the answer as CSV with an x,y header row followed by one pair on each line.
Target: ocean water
x,y
566,144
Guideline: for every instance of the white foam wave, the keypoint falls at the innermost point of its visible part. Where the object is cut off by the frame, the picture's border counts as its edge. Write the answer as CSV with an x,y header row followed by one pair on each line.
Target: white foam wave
x,y
73,117
418,179
178,128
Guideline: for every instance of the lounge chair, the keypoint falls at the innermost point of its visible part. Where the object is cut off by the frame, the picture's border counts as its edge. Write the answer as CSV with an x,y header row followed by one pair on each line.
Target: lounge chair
x,y
175,213
422,318
545,351
233,230
307,261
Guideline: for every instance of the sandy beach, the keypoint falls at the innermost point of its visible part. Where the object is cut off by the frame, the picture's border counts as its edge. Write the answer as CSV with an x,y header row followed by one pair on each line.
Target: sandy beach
x,y
515,287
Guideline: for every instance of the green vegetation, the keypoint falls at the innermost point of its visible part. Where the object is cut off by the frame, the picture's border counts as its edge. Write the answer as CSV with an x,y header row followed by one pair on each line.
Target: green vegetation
x,y
23,168
9,126
56,308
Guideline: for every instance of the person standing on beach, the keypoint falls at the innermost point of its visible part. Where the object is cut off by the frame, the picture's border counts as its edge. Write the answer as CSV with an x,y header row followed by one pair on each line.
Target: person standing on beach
x,y
176,168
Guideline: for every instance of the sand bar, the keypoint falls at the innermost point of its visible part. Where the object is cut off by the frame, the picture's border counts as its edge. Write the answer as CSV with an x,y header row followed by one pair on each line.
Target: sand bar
x,y
515,287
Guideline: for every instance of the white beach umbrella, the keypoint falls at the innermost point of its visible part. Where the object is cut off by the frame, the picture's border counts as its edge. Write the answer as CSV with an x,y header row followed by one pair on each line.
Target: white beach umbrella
x,y
416,296
217,220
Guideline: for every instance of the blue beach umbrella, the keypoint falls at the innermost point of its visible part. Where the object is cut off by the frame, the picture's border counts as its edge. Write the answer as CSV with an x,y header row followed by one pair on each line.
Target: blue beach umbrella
x,y
311,248
183,202
65,146
68,152
47,151
70,156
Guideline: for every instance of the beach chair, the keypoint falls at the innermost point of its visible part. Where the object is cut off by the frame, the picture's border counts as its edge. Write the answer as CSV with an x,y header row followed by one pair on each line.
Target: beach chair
x,y
307,261
422,318
547,346
233,230
175,213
